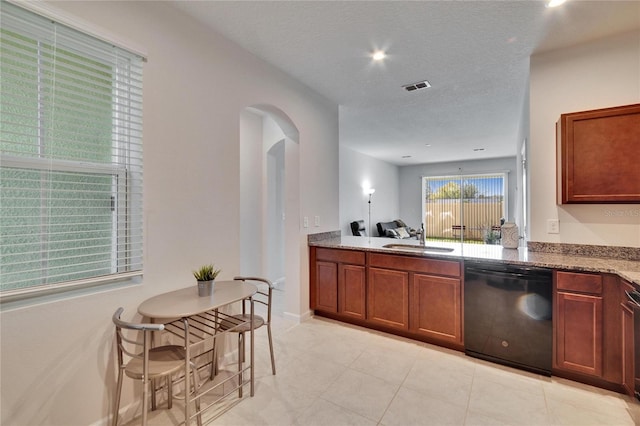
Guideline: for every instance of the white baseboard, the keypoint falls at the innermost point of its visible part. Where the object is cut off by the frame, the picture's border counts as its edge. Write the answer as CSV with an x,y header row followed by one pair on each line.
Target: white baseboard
x,y
278,283
297,318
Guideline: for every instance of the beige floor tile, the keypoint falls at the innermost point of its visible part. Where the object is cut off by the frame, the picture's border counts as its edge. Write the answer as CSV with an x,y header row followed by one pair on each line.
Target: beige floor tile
x,y
633,408
510,378
475,418
580,395
386,364
443,383
332,374
447,359
601,415
325,413
410,408
307,373
516,406
272,404
361,393
336,349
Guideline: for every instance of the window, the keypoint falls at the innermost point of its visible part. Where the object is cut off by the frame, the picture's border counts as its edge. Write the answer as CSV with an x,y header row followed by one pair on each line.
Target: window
x,y
467,208
70,157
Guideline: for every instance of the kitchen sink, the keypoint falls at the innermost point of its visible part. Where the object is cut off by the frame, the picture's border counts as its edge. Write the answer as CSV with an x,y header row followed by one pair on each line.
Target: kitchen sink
x,y
419,248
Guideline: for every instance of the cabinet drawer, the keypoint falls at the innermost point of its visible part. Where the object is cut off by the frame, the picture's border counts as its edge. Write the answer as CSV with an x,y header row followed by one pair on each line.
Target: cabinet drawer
x,y
340,256
582,283
405,263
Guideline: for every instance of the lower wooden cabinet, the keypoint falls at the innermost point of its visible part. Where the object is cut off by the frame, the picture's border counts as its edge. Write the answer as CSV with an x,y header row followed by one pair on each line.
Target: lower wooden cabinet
x,y
579,333
628,350
388,298
326,286
628,372
338,282
436,306
351,291
422,298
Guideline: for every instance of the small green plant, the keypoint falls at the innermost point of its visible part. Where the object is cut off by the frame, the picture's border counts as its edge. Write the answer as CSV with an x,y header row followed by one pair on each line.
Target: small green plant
x,y
206,273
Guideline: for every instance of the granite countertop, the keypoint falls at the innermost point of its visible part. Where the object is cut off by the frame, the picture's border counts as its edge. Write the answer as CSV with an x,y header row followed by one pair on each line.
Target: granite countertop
x,y
627,269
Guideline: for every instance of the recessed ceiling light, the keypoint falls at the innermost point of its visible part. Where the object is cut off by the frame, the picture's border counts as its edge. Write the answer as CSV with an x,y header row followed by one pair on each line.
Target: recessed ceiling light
x,y
555,3
427,144
378,55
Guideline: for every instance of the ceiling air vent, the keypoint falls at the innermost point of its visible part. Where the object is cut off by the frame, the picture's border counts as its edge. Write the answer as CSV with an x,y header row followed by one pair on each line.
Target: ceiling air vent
x,y
416,86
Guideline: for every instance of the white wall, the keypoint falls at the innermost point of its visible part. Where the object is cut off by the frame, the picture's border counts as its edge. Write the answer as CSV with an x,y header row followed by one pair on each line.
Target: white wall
x,y
57,353
601,74
275,217
411,182
357,170
251,203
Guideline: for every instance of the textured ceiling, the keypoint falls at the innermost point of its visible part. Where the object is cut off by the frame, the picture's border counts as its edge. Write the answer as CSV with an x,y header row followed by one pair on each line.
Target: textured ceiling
x,y
475,54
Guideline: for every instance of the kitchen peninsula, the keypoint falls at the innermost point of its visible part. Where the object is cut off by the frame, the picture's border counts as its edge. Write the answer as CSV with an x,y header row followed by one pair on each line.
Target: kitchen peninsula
x,y
418,292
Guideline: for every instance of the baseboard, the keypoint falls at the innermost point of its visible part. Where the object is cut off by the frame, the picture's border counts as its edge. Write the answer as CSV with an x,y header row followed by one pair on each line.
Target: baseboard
x,y
297,318
278,283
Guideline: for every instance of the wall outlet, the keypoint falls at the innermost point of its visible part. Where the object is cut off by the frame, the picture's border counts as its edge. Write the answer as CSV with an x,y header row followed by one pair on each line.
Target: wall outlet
x,y
305,222
553,226
317,221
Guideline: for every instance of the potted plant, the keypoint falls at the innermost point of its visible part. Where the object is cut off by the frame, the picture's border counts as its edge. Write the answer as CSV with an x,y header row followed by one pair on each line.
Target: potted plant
x,y
205,276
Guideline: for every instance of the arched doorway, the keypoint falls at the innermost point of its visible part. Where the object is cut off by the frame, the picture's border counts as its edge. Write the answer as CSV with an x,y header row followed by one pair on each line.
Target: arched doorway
x,y
270,203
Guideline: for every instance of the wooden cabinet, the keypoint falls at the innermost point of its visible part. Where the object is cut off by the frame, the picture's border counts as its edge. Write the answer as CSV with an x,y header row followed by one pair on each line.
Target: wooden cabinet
x,y
422,298
436,307
351,291
412,296
628,350
597,155
338,282
432,308
326,286
578,323
388,298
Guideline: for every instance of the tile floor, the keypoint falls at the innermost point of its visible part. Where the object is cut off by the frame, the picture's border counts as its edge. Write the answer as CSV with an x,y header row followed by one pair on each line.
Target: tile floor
x,y
331,374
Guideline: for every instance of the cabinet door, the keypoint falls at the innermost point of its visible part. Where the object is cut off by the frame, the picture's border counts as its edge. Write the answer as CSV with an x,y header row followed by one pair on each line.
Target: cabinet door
x,y
435,307
351,291
628,373
597,156
388,298
579,333
326,286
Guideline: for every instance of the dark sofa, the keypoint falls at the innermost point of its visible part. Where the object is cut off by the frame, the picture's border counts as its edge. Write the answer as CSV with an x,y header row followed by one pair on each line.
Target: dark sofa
x,y
395,229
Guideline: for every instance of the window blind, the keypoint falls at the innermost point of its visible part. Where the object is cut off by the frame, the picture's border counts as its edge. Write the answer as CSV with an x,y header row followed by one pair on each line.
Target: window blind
x,y
465,207
70,157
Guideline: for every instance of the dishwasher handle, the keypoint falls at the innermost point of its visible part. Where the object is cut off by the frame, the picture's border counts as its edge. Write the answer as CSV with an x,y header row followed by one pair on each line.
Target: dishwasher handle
x,y
527,274
634,298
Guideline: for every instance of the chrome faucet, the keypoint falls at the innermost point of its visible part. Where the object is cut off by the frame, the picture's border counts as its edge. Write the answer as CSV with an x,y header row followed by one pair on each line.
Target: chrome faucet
x,y
420,235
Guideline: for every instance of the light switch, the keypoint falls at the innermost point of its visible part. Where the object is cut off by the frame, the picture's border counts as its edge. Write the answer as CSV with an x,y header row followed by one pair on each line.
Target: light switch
x,y
553,226
305,222
317,221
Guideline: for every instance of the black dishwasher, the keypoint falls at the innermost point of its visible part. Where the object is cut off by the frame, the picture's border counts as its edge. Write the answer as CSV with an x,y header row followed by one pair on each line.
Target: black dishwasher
x,y
507,315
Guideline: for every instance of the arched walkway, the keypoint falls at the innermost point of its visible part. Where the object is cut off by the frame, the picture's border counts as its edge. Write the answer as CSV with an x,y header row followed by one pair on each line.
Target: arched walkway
x,y
270,202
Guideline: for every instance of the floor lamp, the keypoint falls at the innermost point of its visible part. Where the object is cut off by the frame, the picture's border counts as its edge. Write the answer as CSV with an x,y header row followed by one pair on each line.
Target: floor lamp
x,y
370,192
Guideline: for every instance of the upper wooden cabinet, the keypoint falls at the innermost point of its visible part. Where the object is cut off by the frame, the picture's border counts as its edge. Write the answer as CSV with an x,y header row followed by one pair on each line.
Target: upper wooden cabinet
x,y
597,156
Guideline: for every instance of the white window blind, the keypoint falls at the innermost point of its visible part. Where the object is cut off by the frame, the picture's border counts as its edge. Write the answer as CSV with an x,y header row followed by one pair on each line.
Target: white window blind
x,y
470,208
70,157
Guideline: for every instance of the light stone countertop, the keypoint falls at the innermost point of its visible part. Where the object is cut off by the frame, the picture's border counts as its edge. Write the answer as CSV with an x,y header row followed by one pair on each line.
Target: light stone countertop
x,y
627,269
